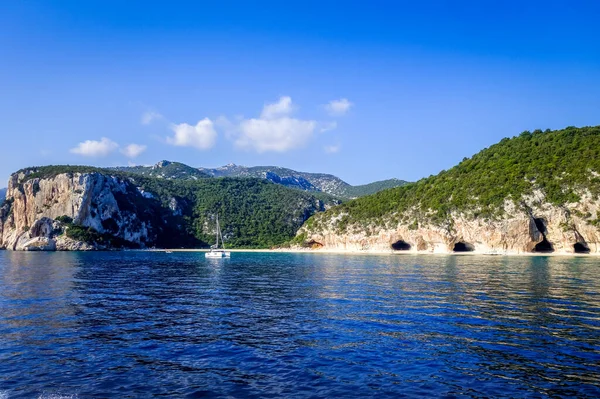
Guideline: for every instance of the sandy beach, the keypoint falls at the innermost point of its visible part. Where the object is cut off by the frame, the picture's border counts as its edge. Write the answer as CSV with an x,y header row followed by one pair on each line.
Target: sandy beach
x,y
379,252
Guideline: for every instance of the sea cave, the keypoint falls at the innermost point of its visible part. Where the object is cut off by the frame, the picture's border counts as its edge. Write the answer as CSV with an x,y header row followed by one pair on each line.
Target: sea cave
x,y
543,247
463,247
581,248
401,245
540,224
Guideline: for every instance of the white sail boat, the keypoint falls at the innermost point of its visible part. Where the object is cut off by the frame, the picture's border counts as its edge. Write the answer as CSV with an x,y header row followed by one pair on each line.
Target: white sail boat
x,y
215,252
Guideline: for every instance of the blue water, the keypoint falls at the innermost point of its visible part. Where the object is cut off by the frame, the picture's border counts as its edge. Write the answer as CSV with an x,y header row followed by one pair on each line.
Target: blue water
x,y
137,325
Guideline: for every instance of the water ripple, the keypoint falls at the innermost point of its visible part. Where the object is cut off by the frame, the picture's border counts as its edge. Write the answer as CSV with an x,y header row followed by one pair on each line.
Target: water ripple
x,y
134,324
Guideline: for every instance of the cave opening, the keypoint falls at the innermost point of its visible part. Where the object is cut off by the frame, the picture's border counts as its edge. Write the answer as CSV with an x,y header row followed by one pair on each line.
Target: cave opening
x,y
544,246
540,224
313,244
463,247
581,248
401,245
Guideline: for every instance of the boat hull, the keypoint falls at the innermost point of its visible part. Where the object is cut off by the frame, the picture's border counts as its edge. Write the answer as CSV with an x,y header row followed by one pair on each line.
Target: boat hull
x,y
218,254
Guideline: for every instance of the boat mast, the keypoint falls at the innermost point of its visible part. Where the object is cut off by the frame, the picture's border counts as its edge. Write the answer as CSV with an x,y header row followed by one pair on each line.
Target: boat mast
x,y
218,231
221,234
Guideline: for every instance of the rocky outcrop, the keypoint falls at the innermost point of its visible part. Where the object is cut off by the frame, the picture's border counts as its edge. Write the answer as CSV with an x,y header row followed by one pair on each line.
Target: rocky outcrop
x,y
532,226
104,204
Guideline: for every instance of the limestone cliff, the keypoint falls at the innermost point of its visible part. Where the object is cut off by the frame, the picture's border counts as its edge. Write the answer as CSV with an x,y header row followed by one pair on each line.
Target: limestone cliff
x,y
102,203
535,226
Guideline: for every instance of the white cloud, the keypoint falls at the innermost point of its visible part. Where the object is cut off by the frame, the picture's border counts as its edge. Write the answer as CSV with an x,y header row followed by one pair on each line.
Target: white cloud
x,y
338,107
92,148
332,149
281,108
201,136
327,126
150,116
133,150
275,130
279,135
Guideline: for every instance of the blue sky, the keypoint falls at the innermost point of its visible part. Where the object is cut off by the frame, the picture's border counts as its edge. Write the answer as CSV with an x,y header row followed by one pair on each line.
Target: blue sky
x,y
363,90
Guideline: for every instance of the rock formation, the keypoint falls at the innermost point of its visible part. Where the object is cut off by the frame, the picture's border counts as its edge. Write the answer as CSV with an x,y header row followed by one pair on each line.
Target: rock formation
x,y
534,226
93,200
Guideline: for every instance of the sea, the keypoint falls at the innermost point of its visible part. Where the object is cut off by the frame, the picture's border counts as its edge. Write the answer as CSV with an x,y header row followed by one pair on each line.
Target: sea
x,y
297,325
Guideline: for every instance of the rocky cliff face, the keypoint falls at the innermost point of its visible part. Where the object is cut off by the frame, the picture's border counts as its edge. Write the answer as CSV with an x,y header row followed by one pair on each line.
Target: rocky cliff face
x,y
532,226
106,204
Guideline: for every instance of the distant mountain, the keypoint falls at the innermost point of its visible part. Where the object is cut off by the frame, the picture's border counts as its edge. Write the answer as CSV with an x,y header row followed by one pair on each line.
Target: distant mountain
x,y
2,194
166,170
305,181
319,182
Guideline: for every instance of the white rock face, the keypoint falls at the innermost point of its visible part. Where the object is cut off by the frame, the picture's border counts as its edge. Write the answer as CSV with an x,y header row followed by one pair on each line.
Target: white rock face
x,y
89,199
516,233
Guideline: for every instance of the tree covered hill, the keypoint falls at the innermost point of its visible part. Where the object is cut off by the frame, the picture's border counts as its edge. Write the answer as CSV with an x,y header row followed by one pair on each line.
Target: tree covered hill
x,y
562,164
254,213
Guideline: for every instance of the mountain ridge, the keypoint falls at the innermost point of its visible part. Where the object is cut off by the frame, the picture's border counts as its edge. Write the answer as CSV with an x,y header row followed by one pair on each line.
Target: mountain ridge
x,y
305,181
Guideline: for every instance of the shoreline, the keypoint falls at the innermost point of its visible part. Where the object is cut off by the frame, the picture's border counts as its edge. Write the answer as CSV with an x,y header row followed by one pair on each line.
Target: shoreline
x,y
342,252
382,252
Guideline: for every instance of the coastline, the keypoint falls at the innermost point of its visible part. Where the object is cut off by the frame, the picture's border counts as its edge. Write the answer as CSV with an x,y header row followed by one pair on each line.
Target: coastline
x,y
381,253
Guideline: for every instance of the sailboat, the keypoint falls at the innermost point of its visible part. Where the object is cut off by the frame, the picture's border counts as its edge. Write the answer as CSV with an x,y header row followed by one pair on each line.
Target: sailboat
x,y
215,252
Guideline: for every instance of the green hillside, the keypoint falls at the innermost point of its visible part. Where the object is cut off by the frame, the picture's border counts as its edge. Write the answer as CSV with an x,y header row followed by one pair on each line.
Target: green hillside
x,y
559,163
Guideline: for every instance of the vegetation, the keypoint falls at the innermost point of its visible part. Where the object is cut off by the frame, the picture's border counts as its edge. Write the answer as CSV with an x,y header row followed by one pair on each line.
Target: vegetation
x,y
372,188
253,213
91,236
45,172
166,170
559,163
306,181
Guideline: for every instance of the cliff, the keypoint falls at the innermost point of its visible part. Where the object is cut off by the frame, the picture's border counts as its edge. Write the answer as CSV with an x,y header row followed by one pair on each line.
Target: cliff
x,y
84,208
533,228
535,193
104,204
